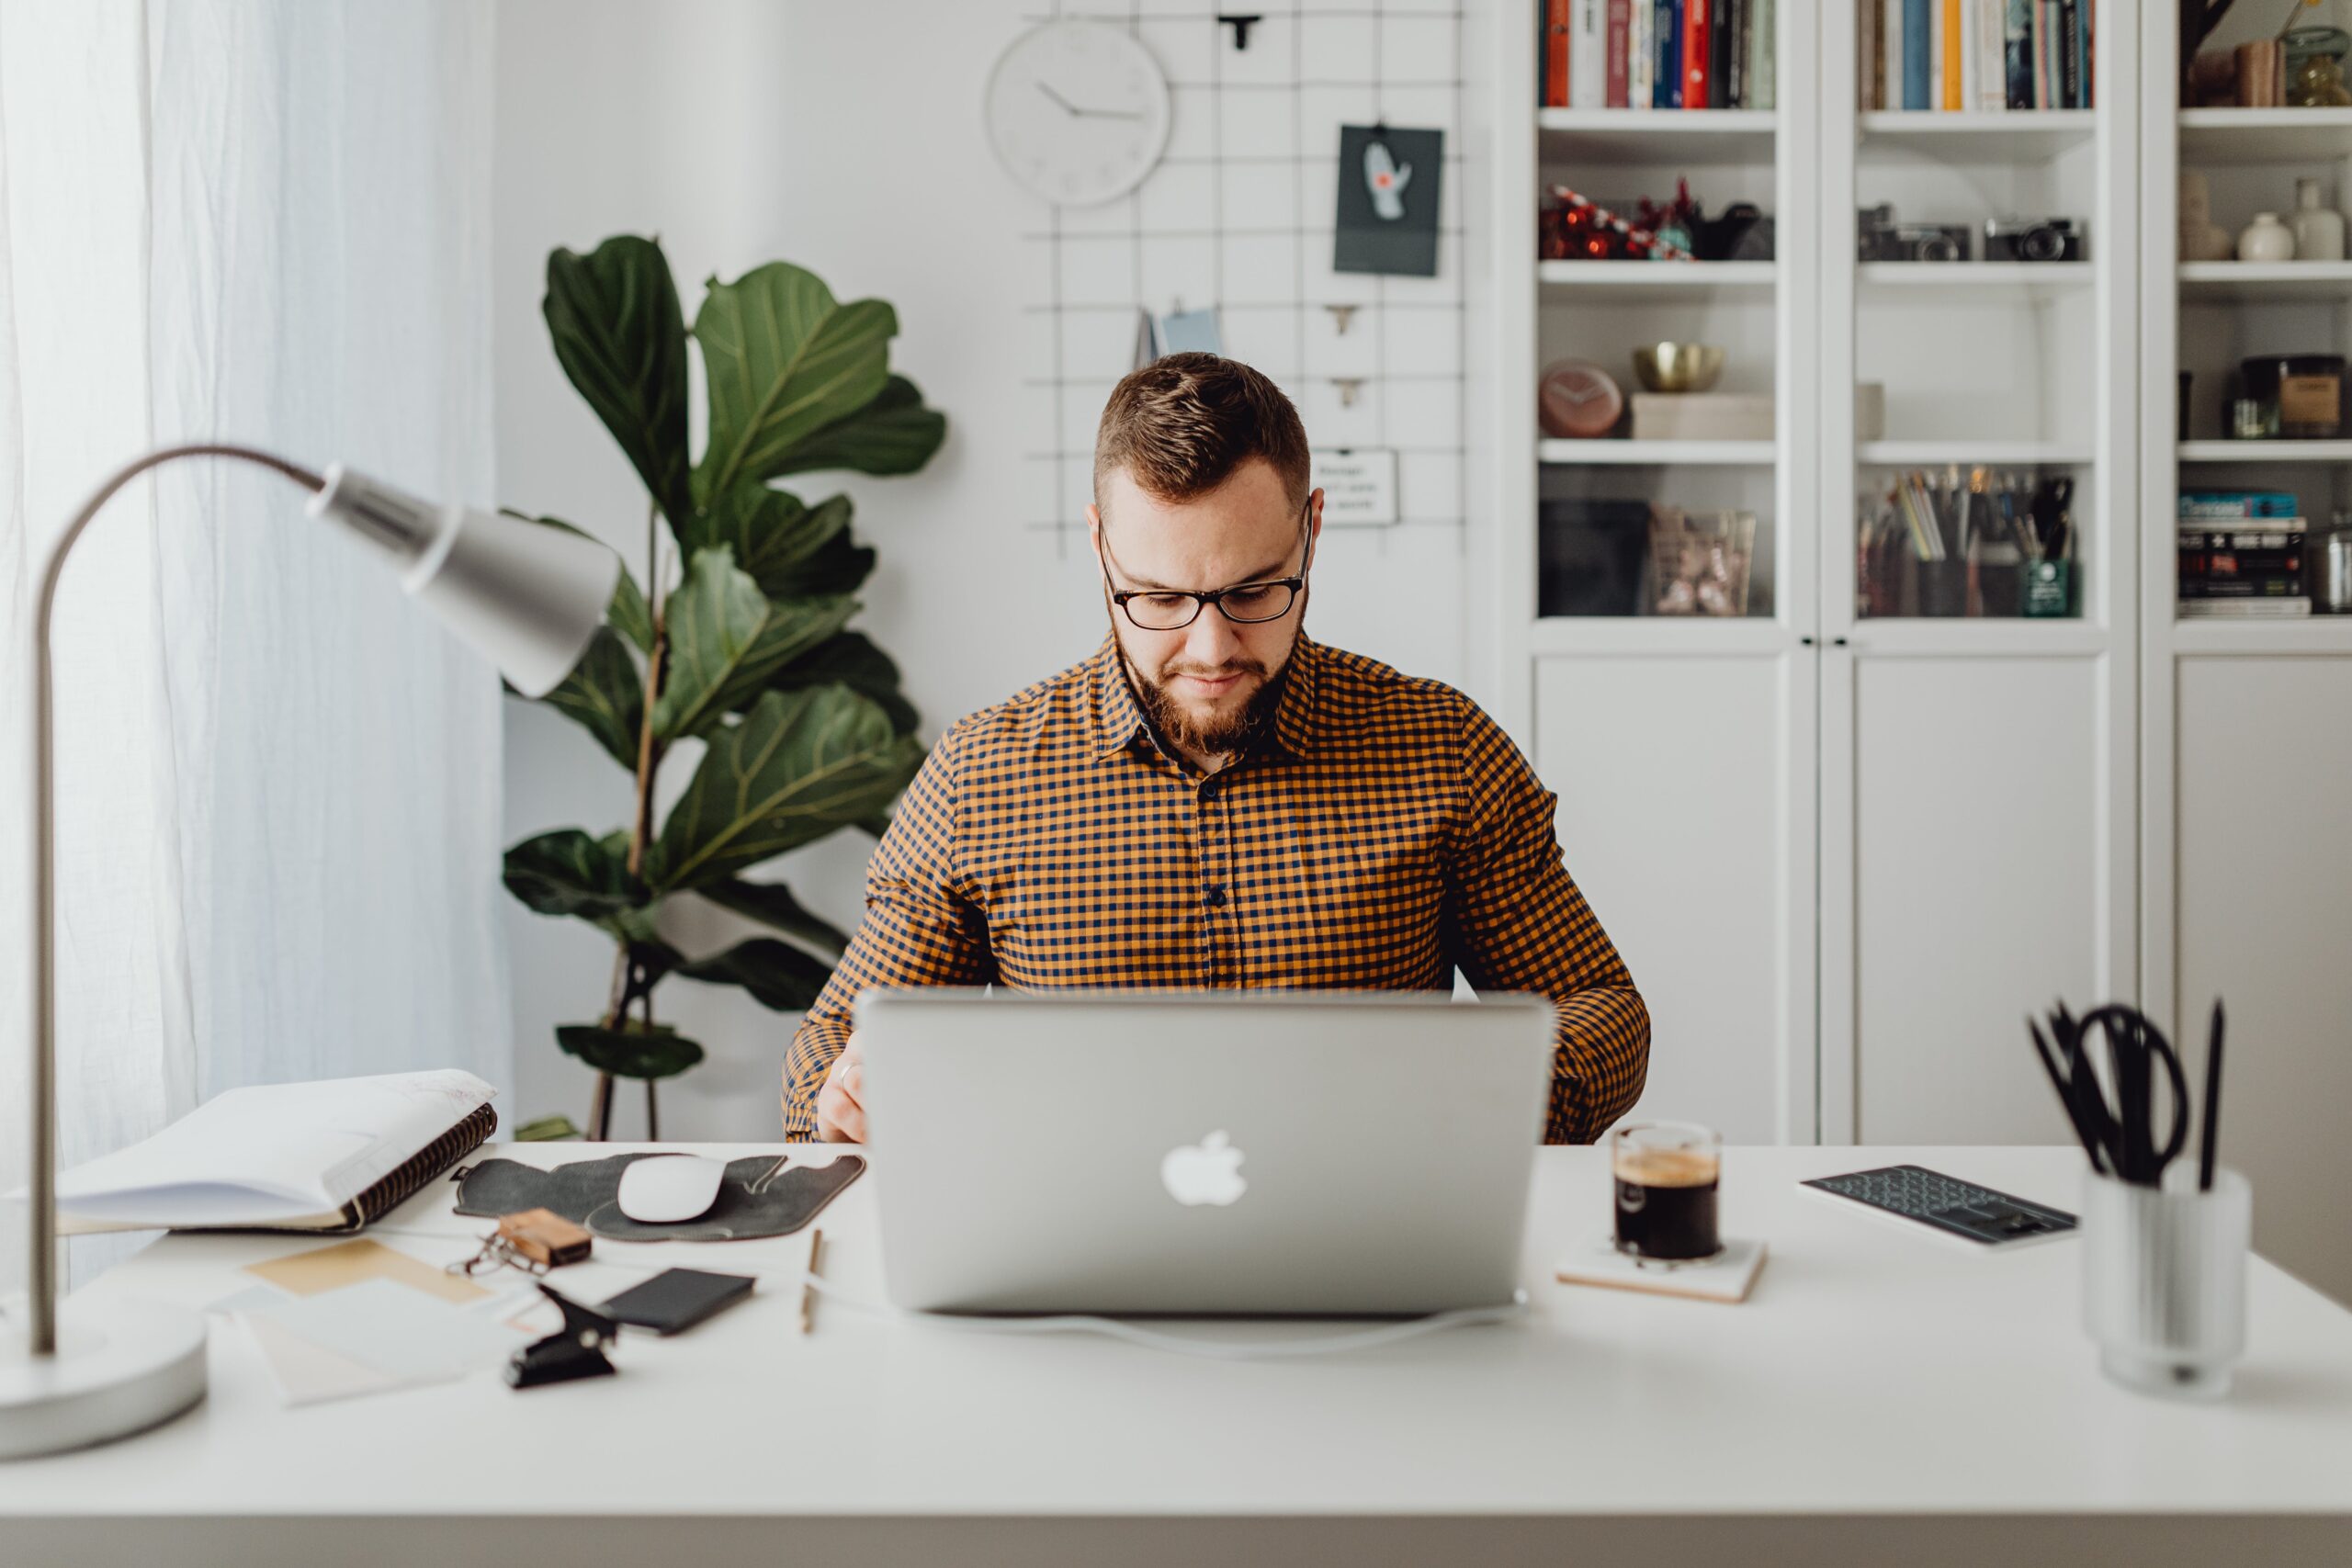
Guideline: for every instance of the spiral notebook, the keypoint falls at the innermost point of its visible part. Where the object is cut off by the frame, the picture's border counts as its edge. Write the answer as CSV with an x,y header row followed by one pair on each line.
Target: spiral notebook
x,y
326,1157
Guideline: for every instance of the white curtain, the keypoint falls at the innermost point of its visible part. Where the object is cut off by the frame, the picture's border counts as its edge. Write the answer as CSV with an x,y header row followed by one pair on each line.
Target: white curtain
x,y
279,831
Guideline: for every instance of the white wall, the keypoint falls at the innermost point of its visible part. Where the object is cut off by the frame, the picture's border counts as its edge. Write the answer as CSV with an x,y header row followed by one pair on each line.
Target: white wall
x,y
846,138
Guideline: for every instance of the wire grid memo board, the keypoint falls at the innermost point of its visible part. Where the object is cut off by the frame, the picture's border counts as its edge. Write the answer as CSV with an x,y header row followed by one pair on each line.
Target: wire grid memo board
x,y
1238,215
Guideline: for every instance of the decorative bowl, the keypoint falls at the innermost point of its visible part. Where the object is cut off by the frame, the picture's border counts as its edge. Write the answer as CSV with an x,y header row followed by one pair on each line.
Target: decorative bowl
x,y
1678,367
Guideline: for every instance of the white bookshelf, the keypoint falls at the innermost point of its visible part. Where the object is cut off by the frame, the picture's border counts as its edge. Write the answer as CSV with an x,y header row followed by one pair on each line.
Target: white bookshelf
x,y
1677,878
1663,454
1761,807
2265,452
2244,720
2265,283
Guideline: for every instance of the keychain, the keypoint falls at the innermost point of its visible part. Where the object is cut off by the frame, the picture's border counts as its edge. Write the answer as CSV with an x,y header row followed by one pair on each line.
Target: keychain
x,y
536,1240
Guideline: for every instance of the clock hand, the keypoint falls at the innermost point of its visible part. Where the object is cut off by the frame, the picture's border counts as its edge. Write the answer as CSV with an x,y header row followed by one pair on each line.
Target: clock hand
x,y
1075,112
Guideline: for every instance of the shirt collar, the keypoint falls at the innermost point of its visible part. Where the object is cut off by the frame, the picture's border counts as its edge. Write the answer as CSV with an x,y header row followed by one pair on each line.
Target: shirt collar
x,y
1119,718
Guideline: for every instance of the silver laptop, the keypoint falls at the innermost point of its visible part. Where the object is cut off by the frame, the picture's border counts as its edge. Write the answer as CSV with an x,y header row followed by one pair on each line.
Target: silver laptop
x,y
1317,1152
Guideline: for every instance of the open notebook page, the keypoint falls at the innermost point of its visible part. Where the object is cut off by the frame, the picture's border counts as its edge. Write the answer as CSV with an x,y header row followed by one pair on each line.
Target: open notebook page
x,y
273,1154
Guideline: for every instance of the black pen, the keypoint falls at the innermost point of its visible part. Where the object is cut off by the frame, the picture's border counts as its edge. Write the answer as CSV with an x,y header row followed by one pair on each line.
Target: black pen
x,y
2205,1141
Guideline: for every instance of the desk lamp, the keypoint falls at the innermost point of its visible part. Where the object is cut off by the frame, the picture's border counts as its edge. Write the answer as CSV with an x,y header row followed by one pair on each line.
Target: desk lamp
x,y
526,596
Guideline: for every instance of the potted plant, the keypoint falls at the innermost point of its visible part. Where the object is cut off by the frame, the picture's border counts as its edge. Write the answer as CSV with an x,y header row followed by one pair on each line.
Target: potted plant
x,y
738,645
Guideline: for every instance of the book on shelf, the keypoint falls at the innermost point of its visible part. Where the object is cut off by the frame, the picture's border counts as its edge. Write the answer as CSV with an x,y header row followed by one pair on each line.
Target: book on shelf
x,y
1666,78
1697,54
2264,585
1641,55
1616,39
1701,416
2244,609
1588,56
1985,56
1763,68
2242,535
1552,63
2225,504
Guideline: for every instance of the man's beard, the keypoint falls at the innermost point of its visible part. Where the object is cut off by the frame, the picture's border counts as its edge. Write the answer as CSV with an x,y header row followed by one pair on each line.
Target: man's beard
x,y
1219,734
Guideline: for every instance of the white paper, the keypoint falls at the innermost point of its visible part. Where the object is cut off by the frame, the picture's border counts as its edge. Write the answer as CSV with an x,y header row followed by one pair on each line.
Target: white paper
x,y
399,1334
273,1154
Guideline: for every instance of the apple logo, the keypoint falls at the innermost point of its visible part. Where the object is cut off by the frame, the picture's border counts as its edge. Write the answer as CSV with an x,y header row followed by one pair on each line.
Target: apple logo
x,y
1205,1172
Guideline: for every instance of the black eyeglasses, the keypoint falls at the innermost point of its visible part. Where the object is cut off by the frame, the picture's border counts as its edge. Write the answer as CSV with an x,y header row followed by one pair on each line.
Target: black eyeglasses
x,y
1244,604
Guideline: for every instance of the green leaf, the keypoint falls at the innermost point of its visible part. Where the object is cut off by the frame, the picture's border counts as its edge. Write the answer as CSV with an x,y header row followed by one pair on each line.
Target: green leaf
x,y
772,904
726,638
628,614
790,549
892,434
850,658
605,693
799,765
618,334
568,873
547,1130
631,1052
780,977
785,360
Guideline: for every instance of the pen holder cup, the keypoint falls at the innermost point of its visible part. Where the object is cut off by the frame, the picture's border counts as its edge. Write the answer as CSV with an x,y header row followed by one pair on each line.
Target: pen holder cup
x,y
2163,1282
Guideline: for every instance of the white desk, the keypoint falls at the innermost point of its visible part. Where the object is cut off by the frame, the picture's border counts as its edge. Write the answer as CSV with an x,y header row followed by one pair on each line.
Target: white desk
x,y
1879,1396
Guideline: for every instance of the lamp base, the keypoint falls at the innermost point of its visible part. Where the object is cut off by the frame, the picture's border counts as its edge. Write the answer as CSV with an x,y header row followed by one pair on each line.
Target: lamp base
x,y
120,1367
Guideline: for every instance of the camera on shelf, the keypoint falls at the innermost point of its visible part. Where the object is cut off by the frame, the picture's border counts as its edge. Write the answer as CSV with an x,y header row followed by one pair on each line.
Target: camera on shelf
x,y
2033,240
1881,238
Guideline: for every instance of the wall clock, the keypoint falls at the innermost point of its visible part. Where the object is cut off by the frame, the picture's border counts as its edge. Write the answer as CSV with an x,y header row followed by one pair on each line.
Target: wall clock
x,y
1078,111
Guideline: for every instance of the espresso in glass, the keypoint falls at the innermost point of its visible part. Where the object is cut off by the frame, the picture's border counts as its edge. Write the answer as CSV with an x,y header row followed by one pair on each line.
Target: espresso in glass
x,y
1667,1174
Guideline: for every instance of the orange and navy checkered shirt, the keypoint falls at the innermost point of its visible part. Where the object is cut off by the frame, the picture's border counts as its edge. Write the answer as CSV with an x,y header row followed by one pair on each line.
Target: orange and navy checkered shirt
x,y
1381,833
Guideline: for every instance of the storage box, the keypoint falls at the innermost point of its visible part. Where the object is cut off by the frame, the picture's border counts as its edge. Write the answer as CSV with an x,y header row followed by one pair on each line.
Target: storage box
x,y
1701,416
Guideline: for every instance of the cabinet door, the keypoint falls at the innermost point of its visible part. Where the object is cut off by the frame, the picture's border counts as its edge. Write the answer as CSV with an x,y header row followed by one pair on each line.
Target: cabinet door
x,y
2262,828
1686,813
1976,867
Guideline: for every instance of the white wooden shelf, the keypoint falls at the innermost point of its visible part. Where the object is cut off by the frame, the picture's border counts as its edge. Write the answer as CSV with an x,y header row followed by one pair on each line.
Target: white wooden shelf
x,y
1987,636
1606,453
2264,136
2301,635
2014,453
2266,452
2026,136
1644,635
1654,279
1658,136
2266,283
2037,279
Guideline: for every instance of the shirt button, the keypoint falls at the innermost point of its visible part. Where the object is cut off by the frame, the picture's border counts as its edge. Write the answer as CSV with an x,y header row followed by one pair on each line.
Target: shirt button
x,y
1215,897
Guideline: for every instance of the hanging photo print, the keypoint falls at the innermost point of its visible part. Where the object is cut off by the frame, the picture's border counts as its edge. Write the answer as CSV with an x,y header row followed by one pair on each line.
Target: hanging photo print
x,y
1389,184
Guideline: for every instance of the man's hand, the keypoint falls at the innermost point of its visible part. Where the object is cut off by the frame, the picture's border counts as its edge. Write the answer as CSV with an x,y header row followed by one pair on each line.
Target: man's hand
x,y
840,1100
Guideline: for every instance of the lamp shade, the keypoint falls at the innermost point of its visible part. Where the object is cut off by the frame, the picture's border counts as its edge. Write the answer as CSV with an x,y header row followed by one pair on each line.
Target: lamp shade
x,y
524,595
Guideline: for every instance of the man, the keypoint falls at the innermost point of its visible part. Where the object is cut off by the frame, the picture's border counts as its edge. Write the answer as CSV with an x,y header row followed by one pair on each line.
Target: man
x,y
1215,801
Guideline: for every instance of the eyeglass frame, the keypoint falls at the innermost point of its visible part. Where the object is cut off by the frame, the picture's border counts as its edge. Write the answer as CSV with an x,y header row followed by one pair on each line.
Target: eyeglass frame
x,y
1202,599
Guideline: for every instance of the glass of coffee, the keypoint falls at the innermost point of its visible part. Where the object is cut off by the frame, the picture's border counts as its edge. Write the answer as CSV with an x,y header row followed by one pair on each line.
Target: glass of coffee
x,y
1667,1173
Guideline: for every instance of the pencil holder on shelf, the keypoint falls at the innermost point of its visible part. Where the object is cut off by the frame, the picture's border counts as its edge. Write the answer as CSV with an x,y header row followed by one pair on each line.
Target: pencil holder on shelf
x,y
2163,1282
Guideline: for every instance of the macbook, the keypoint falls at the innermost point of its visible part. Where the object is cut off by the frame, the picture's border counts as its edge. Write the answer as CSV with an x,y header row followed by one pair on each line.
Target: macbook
x,y
1196,1152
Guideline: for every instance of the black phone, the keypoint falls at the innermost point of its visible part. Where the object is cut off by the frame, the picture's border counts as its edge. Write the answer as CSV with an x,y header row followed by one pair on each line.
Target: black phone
x,y
677,1298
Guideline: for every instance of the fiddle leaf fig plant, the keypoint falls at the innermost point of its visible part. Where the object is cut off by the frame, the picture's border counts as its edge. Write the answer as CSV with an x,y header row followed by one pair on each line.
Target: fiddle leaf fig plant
x,y
801,727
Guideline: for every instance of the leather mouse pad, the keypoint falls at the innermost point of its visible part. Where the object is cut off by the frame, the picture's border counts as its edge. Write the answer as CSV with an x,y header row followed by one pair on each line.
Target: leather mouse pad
x,y
754,1199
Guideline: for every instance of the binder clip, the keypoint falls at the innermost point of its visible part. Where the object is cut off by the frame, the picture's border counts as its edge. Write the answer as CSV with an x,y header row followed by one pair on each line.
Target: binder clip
x,y
576,1351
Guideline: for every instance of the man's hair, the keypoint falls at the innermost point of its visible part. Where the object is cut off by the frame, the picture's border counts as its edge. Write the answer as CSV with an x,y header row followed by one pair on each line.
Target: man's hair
x,y
1181,424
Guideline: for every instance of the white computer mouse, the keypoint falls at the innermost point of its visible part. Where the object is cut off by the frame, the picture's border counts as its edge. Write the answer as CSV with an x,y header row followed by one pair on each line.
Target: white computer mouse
x,y
662,1190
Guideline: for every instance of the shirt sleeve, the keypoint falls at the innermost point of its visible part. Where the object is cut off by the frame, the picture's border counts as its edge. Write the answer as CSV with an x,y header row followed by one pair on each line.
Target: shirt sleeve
x,y
919,929
1517,923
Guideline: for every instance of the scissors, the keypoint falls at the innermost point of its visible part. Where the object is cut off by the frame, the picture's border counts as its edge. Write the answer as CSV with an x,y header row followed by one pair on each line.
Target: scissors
x,y
2121,1138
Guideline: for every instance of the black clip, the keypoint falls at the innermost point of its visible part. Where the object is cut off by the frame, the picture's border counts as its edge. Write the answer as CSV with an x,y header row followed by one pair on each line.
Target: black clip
x,y
1240,26
576,1351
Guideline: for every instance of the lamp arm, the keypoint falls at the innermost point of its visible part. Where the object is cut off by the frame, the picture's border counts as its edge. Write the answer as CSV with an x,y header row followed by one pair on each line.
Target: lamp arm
x,y
44,1281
